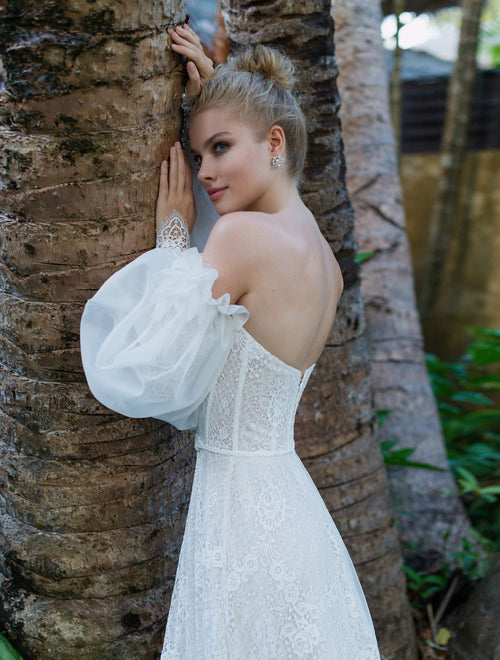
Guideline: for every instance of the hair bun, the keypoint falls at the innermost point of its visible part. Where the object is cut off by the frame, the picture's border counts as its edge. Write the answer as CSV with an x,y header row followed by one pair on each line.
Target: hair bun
x,y
269,62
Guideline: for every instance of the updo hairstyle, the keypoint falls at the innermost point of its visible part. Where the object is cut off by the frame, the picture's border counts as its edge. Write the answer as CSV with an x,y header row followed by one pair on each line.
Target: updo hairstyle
x,y
258,84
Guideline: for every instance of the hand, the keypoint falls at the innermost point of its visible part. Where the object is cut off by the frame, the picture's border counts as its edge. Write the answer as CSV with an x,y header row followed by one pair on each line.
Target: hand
x,y
176,189
200,68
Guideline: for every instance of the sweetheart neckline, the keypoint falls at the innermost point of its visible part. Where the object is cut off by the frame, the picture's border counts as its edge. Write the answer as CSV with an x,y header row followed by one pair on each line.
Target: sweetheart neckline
x,y
275,357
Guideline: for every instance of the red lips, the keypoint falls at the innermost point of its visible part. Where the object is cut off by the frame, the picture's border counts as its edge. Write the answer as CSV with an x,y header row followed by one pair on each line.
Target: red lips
x,y
215,193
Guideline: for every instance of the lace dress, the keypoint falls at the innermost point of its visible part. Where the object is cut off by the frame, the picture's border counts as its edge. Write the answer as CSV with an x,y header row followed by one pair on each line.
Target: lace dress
x,y
263,573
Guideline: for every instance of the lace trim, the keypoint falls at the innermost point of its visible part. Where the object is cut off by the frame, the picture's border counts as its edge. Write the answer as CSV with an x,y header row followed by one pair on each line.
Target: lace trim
x,y
174,233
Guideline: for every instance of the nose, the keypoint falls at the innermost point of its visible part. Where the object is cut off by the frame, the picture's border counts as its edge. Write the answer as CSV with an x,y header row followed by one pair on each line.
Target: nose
x,y
205,172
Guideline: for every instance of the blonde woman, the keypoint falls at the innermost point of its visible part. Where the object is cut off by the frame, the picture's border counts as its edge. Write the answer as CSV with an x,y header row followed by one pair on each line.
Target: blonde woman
x,y
224,341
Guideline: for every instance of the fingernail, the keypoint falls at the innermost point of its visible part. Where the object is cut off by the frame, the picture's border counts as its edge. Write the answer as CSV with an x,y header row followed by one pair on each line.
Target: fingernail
x,y
164,163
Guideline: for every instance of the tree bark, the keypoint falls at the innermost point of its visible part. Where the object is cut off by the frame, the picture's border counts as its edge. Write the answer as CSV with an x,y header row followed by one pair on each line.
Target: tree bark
x,y
431,517
335,432
396,79
453,148
91,503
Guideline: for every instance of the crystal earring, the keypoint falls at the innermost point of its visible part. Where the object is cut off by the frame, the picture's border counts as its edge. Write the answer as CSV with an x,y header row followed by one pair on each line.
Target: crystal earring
x,y
277,161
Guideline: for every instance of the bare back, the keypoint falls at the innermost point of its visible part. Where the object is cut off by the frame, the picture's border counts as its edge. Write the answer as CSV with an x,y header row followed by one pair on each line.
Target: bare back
x,y
283,271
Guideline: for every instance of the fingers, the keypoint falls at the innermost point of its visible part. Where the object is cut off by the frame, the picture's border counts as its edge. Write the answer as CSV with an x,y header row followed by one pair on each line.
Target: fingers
x,y
180,178
175,190
188,179
187,33
181,170
183,43
193,85
163,191
186,42
173,173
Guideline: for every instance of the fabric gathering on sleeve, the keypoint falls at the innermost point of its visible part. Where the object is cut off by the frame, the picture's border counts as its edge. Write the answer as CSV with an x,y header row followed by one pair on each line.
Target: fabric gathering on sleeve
x,y
154,340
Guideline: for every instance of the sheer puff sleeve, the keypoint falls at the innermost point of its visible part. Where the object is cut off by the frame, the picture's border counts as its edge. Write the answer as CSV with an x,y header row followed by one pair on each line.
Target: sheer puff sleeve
x,y
154,340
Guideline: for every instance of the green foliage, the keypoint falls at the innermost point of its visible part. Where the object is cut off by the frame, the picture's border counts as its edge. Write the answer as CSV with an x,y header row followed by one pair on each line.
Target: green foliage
x,y
471,559
401,457
423,587
363,256
7,652
465,391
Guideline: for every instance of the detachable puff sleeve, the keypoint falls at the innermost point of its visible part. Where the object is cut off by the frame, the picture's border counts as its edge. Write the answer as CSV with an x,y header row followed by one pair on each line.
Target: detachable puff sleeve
x,y
154,340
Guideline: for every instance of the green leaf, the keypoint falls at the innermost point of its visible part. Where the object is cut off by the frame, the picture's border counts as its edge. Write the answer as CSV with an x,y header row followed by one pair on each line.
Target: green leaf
x,y
485,352
411,573
475,398
484,332
400,457
362,257
7,651
485,381
493,490
382,415
468,481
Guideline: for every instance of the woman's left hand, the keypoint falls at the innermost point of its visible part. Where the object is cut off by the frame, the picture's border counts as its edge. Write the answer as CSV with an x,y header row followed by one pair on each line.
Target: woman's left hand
x,y
200,68
176,189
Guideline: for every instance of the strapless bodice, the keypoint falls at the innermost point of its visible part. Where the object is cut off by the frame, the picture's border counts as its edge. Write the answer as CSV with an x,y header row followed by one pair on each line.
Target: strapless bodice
x,y
251,408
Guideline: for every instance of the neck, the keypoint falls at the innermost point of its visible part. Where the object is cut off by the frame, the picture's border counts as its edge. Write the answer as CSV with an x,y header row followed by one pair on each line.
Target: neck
x,y
280,194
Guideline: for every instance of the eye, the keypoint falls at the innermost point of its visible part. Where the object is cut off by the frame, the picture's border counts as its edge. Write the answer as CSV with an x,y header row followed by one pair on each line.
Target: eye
x,y
220,147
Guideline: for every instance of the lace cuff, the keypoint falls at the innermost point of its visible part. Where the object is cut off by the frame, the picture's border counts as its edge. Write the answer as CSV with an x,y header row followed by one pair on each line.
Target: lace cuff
x,y
174,233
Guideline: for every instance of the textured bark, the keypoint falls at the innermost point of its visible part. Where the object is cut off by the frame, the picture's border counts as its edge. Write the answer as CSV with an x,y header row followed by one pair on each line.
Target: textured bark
x,y
396,80
91,503
426,503
453,148
475,631
335,424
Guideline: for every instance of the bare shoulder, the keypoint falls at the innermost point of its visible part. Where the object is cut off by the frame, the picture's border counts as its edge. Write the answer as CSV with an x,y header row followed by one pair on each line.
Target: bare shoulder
x,y
232,227
235,248
240,236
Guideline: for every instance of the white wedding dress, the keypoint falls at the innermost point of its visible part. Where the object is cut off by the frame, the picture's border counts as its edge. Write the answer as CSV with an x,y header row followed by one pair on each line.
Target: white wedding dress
x,y
263,573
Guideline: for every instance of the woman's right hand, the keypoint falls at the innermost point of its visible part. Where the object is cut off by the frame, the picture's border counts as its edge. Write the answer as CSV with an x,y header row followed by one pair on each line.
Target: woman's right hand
x,y
176,189
200,68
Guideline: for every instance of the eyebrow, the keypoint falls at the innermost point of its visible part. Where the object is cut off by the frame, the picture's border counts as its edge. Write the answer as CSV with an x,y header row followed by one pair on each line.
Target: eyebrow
x,y
214,137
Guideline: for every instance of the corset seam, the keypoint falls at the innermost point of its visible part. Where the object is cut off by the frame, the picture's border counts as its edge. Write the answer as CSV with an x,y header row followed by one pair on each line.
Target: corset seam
x,y
239,391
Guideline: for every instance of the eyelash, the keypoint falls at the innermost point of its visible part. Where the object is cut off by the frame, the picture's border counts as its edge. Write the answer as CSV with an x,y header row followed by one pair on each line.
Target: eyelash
x,y
217,152
225,146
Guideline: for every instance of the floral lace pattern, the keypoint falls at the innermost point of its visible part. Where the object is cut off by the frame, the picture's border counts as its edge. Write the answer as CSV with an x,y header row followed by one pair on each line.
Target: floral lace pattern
x,y
263,573
174,233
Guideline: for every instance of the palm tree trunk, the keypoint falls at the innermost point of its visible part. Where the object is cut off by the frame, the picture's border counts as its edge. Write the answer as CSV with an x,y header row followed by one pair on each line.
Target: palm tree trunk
x,y
454,144
431,516
396,80
335,424
91,503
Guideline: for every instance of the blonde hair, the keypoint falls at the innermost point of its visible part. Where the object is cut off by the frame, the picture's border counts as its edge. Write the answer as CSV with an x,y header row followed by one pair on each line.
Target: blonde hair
x,y
258,84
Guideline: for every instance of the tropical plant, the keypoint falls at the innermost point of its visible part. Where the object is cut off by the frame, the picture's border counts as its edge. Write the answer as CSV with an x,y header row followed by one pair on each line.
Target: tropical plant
x,y
467,391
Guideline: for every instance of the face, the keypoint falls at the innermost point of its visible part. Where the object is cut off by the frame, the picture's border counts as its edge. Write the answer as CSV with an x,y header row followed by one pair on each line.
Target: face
x,y
233,163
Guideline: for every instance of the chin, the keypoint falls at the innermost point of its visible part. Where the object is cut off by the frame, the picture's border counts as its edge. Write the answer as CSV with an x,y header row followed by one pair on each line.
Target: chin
x,y
223,208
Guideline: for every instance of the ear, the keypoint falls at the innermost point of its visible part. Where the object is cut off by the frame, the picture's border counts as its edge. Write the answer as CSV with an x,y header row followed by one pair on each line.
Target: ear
x,y
276,140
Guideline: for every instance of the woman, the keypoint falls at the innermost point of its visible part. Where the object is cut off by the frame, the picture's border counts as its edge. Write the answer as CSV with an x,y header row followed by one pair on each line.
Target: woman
x,y
225,342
